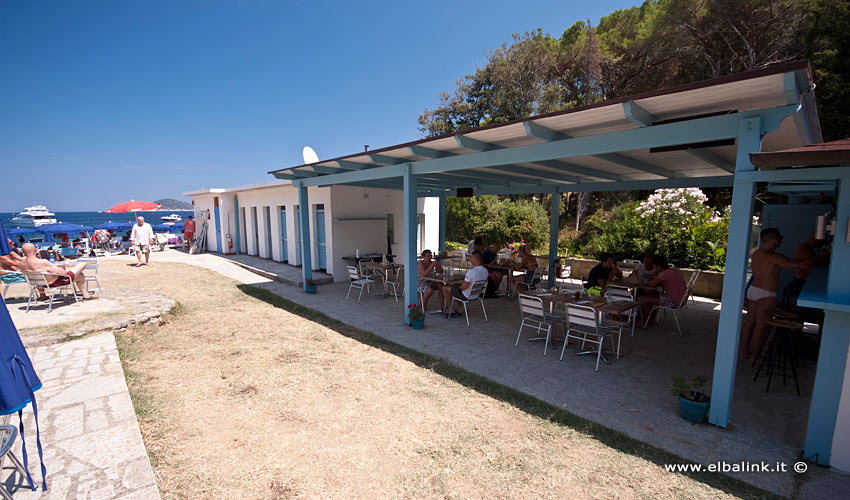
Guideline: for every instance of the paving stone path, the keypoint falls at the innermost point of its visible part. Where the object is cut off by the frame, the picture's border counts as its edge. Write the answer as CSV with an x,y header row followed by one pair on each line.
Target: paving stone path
x,y
92,445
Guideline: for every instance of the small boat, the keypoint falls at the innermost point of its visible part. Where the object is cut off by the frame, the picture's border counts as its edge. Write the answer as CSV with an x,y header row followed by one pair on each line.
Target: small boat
x,y
34,216
171,219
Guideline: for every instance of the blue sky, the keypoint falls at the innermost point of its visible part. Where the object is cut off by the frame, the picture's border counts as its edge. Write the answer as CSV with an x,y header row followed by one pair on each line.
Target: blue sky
x,y
111,100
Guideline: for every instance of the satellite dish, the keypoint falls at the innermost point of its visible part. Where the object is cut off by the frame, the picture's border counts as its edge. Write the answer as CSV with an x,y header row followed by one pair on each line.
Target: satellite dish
x,y
309,155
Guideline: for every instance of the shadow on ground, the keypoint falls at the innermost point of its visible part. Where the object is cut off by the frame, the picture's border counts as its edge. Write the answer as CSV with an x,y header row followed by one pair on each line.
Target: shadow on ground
x,y
528,404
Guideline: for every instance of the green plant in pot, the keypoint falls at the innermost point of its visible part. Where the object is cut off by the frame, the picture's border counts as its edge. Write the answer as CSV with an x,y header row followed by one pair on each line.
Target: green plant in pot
x,y
693,403
416,316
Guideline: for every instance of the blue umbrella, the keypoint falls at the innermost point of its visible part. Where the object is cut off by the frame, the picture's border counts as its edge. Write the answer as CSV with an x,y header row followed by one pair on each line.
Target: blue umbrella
x,y
115,225
63,227
21,230
18,380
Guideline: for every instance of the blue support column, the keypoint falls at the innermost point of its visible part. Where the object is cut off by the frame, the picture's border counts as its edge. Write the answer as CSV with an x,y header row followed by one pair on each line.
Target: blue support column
x,y
554,218
737,255
304,213
835,341
410,230
237,239
442,224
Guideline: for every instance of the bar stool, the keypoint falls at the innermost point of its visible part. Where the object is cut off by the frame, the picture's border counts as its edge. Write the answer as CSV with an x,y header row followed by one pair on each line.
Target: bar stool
x,y
780,351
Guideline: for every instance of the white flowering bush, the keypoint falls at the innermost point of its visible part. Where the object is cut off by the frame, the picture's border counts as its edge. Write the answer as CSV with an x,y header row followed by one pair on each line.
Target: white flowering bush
x,y
675,222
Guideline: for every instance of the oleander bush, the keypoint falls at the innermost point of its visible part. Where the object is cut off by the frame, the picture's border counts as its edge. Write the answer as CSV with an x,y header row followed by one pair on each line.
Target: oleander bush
x,y
675,222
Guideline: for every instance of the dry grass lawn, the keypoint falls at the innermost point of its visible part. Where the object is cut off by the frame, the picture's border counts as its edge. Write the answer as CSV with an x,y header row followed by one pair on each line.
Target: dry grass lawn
x,y
240,399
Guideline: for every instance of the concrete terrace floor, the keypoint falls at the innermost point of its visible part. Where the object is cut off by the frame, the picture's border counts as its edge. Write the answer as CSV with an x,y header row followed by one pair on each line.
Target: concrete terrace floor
x,y
631,395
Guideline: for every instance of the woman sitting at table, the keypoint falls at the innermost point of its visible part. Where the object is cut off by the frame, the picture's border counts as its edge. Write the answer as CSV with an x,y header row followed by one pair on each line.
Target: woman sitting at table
x,y
672,283
528,262
426,267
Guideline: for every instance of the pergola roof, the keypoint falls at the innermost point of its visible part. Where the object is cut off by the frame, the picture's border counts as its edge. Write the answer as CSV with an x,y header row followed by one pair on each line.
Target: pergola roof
x,y
824,154
681,136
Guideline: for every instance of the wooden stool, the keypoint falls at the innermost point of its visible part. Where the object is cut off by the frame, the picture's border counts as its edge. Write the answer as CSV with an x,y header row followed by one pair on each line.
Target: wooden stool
x,y
780,351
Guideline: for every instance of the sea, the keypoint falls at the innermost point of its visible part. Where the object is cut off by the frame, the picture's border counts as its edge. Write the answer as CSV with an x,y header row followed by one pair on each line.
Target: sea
x,y
94,219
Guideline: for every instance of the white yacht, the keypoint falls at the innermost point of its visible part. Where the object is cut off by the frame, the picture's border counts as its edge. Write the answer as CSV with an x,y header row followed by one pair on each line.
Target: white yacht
x,y
171,219
34,216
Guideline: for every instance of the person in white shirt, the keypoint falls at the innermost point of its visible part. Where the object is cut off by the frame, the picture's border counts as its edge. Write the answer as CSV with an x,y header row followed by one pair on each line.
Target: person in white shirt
x,y
477,273
142,238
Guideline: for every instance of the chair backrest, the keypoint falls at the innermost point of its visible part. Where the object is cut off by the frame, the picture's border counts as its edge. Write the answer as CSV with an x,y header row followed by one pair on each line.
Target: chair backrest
x,y
581,316
41,280
531,306
569,288
69,252
353,275
618,288
566,267
631,261
91,263
477,288
618,295
693,279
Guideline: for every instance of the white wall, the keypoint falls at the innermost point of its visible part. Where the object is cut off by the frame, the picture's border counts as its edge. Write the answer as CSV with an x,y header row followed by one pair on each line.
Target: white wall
x,y
342,237
840,458
204,211
367,235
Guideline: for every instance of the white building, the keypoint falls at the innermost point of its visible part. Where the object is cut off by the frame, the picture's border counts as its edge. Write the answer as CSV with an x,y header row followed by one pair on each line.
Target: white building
x,y
260,219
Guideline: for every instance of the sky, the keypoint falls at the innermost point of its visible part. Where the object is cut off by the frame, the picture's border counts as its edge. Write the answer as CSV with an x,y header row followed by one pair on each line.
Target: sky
x,y
106,101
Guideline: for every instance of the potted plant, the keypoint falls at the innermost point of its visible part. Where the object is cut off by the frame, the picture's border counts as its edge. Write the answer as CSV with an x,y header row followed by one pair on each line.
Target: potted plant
x,y
310,286
693,403
416,316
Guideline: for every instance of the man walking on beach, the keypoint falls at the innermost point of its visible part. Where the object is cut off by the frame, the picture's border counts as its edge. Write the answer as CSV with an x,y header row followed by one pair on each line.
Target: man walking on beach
x,y
142,238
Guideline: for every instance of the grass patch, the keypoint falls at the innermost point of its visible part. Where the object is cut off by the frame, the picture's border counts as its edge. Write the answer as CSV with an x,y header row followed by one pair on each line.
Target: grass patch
x,y
528,404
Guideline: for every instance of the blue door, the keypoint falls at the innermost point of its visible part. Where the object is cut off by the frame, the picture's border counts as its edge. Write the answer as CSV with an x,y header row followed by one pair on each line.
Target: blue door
x,y
320,237
219,248
284,243
297,235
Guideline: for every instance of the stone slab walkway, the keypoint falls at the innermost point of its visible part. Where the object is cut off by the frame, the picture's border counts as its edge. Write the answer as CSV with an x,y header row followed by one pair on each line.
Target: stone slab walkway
x,y
92,445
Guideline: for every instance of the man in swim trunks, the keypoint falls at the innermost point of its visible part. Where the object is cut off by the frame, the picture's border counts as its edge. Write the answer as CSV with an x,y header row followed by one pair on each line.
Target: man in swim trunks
x,y
761,294
32,263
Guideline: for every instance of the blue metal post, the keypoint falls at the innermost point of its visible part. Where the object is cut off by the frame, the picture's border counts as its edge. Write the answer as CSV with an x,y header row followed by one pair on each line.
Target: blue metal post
x,y
236,225
835,340
304,213
737,255
442,224
410,230
554,218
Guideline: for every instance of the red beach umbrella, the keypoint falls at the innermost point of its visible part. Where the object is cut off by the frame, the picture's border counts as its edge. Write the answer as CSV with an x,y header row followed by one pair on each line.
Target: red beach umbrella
x,y
132,206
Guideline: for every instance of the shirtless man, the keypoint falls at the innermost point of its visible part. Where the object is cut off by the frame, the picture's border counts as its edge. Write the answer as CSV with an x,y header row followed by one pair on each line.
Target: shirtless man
x,y
32,263
761,294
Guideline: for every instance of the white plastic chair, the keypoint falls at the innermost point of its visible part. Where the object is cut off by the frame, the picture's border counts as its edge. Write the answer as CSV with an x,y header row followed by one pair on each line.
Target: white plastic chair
x,y
570,288
534,315
679,306
535,279
357,281
44,280
616,320
583,321
476,291
692,283
90,272
396,282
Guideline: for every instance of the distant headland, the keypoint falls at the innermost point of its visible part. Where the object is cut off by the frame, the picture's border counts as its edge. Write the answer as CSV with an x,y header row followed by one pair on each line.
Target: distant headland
x,y
172,204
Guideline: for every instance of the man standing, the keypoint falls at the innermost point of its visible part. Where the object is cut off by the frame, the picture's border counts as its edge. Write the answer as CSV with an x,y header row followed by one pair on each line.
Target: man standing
x,y
761,294
189,231
142,238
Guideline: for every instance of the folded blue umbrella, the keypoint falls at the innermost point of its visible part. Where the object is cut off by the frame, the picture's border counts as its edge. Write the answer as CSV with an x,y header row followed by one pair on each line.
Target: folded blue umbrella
x,y
18,380
21,230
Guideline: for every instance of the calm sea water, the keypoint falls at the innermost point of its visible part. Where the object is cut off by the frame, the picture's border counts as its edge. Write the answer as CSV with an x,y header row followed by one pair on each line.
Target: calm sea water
x,y
94,218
